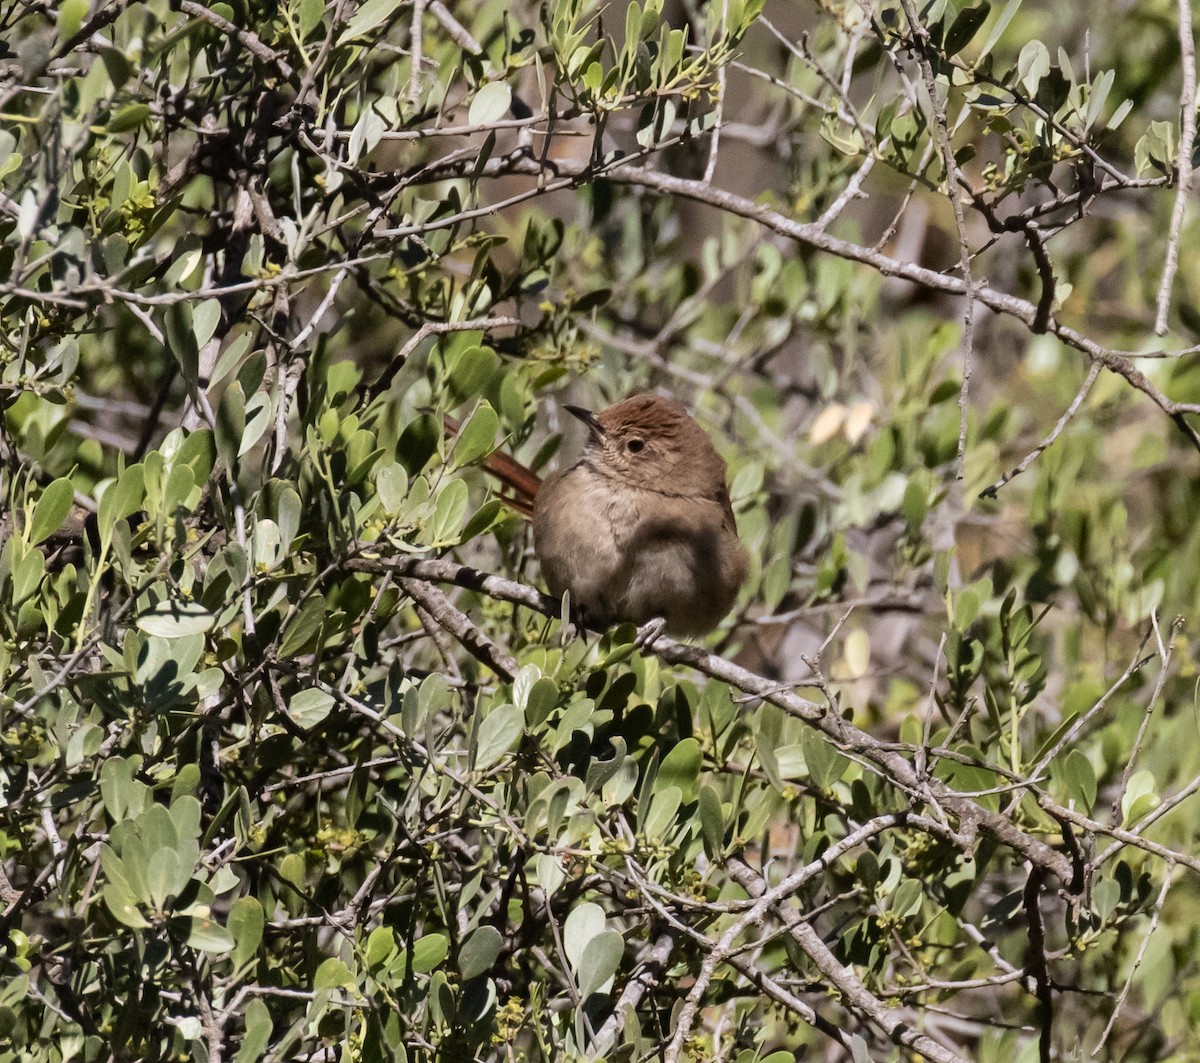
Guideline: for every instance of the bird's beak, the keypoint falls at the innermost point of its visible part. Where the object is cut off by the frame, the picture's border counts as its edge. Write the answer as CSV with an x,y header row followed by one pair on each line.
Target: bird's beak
x,y
588,418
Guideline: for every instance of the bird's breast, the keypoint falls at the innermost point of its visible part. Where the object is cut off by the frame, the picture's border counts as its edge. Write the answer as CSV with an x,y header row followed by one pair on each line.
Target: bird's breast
x,y
625,553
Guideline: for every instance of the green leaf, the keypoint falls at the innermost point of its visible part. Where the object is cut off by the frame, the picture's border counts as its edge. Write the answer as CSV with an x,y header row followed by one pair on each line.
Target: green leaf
x,y
121,499
231,423
120,900
476,438
161,874
681,768
1106,895
584,923
1033,64
367,17
491,103
471,371
825,765
1081,779
418,442
391,484
309,707
246,923
303,629
498,733
1140,796
479,952
258,410
206,316
450,508
123,795
712,821
658,819
549,872
964,27
1156,148
258,1032
206,934
198,451
381,947
27,566
172,620
310,14
906,900
177,493
128,117
181,341
333,974
999,26
540,701
1120,114
71,14
434,694
290,512
429,953
51,510
600,771
1098,97
599,962
866,869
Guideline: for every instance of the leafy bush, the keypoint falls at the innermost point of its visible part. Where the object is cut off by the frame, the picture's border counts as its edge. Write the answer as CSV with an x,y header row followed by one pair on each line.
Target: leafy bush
x,y
296,763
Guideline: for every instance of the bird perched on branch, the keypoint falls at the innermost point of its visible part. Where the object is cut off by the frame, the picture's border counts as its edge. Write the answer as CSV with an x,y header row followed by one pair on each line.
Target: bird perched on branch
x,y
640,528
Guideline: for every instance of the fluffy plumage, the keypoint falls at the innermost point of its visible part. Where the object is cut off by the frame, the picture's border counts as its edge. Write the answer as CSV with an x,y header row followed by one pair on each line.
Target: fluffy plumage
x,y
642,527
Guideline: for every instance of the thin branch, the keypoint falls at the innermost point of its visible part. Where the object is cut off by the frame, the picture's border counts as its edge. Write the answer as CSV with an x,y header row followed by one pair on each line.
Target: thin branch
x,y
1163,671
1137,960
417,52
1183,160
766,899
1063,421
1073,731
458,624
247,38
954,178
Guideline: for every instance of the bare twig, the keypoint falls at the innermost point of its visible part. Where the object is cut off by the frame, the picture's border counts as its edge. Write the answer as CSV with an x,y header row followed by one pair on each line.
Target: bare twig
x,y
417,52
1183,160
458,624
1137,960
954,178
247,38
1163,671
1063,421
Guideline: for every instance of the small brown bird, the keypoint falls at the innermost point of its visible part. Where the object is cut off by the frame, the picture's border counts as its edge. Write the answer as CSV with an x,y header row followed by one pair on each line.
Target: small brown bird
x,y
641,528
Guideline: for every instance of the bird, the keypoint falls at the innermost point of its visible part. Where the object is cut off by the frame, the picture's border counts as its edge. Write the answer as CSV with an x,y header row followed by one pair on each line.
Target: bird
x,y
641,528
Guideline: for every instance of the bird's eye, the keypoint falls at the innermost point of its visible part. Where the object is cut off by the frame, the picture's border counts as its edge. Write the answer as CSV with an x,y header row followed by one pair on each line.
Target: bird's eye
x,y
634,445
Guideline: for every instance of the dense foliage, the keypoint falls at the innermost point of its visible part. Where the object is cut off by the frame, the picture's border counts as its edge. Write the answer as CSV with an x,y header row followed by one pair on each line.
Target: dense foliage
x,y
296,763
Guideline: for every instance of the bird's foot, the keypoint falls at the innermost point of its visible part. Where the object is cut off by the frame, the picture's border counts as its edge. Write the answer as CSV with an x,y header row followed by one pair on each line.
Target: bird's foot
x,y
649,632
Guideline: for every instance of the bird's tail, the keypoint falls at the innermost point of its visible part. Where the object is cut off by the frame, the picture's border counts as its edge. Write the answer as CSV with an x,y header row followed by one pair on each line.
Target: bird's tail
x,y
519,483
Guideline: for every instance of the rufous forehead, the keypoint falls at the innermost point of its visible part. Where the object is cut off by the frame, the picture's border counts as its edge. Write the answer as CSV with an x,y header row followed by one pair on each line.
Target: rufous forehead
x,y
644,410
